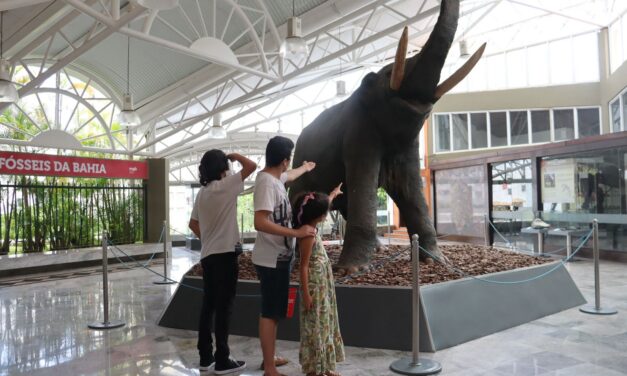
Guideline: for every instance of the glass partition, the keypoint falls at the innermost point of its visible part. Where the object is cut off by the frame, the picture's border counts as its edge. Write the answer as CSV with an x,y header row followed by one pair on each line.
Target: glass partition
x,y
579,188
460,200
512,201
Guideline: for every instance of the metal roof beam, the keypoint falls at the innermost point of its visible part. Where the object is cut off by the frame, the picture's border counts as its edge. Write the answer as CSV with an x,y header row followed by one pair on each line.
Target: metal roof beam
x,y
556,12
309,67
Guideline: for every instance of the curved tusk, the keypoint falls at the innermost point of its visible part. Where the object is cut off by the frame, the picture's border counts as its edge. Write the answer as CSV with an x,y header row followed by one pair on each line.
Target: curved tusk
x,y
460,74
398,69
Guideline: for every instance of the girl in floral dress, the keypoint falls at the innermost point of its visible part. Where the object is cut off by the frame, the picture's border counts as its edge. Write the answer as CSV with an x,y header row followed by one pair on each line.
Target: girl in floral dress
x,y
321,345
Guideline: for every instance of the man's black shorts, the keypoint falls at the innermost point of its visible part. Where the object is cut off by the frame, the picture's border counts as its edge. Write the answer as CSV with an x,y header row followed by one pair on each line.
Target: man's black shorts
x,y
275,284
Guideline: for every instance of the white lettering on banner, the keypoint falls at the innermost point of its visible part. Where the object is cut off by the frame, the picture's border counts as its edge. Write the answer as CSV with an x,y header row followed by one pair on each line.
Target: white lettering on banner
x,y
24,164
10,163
89,168
28,164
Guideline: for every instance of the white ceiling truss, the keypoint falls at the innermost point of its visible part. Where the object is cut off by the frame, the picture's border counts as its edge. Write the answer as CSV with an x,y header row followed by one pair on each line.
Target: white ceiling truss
x,y
251,87
354,45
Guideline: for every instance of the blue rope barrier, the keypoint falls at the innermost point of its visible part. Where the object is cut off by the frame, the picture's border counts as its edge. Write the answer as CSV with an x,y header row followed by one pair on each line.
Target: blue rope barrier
x,y
114,247
524,250
466,275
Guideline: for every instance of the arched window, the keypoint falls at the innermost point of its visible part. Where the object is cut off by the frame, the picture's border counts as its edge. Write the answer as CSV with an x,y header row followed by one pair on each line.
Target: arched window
x,y
67,111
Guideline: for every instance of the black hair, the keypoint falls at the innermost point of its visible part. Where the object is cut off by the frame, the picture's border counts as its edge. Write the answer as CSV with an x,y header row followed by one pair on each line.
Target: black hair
x,y
279,149
212,165
313,208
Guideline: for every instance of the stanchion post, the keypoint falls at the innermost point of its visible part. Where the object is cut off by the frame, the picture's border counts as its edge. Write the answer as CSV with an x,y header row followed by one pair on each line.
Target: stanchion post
x,y
569,246
540,243
596,309
165,280
415,366
389,228
486,230
105,324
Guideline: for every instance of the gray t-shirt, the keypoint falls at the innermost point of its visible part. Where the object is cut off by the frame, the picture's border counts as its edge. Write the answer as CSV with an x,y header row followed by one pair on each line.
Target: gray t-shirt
x,y
215,209
270,195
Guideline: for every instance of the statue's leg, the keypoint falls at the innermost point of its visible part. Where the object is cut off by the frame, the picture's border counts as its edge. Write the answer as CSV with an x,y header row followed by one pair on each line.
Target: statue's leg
x,y
361,228
404,185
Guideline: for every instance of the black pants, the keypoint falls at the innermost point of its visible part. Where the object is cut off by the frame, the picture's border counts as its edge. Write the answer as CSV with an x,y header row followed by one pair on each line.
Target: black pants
x,y
220,281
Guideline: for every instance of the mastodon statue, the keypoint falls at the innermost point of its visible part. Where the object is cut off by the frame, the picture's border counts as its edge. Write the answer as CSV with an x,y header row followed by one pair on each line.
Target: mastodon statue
x,y
370,140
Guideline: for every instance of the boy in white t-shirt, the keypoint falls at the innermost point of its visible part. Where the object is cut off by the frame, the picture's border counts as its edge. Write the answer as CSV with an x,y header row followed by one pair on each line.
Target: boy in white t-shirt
x,y
274,246
214,221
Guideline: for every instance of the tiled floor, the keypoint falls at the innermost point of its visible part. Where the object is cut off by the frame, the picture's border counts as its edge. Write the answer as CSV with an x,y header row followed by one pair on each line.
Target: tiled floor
x,y
43,331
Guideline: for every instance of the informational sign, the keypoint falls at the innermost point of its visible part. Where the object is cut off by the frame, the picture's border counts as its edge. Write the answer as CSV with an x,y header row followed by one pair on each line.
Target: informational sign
x,y
54,165
558,181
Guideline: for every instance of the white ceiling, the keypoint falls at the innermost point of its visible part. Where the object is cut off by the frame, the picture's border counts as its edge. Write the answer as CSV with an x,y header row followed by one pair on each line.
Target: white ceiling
x,y
177,92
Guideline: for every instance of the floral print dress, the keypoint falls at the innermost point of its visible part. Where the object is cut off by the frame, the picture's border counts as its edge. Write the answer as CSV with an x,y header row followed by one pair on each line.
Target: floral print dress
x,y
321,343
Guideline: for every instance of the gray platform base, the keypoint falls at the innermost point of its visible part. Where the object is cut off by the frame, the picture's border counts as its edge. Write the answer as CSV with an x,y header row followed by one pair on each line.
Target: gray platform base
x,y
380,317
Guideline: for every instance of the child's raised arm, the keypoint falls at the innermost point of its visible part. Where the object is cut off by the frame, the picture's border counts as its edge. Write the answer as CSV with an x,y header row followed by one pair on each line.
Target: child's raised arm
x,y
305,246
248,166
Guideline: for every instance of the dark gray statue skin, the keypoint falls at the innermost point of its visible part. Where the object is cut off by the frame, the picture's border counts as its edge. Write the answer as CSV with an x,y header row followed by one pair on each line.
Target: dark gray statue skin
x,y
370,140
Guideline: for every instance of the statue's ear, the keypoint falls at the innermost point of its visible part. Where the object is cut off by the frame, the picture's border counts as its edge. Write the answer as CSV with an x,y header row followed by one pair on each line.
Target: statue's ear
x,y
369,87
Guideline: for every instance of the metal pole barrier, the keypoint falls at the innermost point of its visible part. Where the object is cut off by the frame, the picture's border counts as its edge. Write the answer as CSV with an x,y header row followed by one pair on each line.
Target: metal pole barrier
x,y
569,246
340,229
242,229
165,280
106,324
486,230
389,229
415,366
540,242
596,309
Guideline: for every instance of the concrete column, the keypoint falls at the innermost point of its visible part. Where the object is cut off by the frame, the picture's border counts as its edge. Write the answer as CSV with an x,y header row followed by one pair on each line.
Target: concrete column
x,y
604,76
157,199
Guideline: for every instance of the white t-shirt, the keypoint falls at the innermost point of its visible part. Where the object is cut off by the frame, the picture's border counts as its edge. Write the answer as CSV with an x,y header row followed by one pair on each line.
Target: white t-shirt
x,y
215,209
270,195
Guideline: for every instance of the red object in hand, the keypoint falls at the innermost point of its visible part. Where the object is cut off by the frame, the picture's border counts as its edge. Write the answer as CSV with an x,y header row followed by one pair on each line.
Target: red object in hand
x,y
291,301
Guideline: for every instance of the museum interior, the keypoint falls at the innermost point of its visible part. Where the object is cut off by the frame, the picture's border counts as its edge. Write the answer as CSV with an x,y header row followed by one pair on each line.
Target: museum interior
x,y
481,225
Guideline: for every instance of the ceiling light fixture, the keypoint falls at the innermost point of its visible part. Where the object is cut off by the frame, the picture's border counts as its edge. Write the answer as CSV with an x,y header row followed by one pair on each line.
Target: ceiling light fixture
x,y
128,116
217,131
294,47
340,85
463,49
8,92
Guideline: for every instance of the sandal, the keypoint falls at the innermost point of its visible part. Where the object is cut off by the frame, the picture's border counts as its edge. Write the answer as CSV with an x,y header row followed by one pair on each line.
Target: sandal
x,y
278,362
331,373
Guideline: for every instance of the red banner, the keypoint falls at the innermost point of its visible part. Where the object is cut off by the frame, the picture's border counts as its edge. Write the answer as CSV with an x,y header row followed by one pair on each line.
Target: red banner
x,y
53,165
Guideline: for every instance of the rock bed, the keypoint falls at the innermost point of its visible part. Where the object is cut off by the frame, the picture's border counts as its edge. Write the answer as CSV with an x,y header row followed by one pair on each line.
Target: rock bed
x,y
391,265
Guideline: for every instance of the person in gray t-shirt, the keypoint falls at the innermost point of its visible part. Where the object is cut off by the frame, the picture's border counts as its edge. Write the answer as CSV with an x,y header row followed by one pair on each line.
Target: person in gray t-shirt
x,y
214,221
274,246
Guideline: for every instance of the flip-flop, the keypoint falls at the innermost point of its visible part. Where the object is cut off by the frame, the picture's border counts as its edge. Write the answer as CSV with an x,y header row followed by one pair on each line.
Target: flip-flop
x,y
278,362
280,374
